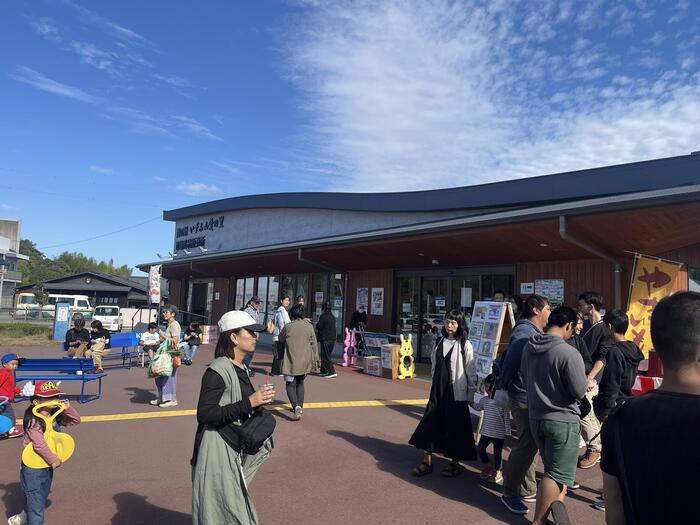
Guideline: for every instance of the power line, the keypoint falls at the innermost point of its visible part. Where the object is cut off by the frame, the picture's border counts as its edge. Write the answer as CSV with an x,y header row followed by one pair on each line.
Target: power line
x,y
102,235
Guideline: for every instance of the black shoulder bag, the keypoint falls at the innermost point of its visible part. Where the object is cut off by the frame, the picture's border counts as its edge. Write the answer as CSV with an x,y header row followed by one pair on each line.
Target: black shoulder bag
x,y
248,436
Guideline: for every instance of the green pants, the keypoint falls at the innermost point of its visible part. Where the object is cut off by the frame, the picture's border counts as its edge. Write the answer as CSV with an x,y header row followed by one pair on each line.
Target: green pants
x,y
519,473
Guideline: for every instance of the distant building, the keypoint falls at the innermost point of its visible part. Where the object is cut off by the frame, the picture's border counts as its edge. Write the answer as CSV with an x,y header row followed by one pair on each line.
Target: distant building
x,y
101,288
10,276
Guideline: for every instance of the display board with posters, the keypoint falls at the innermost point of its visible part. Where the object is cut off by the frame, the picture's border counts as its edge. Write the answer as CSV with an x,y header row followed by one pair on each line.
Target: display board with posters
x,y
552,289
491,326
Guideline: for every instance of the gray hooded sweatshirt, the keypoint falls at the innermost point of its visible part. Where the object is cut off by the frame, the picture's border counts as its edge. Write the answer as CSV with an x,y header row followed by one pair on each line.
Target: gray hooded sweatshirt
x,y
554,377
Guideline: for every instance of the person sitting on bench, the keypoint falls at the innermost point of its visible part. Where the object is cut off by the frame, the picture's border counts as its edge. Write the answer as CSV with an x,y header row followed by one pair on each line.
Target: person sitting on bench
x,y
99,346
150,341
77,338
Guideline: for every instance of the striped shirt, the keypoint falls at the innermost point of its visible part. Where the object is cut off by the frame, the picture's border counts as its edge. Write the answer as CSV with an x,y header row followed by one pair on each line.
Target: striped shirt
x,y
496,420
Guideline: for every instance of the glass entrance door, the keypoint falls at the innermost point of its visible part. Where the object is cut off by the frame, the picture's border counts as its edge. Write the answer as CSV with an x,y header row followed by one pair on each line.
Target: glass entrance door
x,y
435,296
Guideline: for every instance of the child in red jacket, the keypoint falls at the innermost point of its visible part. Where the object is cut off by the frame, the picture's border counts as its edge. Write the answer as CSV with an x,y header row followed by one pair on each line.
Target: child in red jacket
x,y
9,390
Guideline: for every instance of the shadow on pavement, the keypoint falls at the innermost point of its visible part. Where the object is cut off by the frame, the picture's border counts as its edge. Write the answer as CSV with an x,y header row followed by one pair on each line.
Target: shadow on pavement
x,y
140,396
13,498
133,509
399,459
414,411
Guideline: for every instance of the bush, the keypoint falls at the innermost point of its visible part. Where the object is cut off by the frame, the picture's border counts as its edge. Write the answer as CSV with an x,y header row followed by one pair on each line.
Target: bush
x,y
24,330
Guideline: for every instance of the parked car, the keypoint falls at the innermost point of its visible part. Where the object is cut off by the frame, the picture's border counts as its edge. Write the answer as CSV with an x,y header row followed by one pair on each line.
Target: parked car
x,y
77,303
110,317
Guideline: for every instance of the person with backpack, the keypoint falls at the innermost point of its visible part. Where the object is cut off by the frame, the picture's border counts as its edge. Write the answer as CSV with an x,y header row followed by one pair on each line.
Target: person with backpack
x,y
446,426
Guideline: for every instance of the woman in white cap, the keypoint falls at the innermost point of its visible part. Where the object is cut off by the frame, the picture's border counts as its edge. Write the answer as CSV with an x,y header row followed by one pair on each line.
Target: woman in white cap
x,y
234,431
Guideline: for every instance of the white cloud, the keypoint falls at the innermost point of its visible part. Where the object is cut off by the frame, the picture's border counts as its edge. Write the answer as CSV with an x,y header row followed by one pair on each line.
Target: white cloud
x,y
197,189
101,170
227,165
92,55
125,36
45,27
194,126
409,95
173,80
159,179
7,207
39,81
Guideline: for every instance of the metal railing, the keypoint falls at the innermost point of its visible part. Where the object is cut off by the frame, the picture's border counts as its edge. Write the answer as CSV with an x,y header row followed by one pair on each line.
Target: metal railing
x,y
32,315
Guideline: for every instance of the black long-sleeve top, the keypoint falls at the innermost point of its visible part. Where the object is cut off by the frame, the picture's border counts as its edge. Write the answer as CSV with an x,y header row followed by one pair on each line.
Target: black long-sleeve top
x,y
74,335
210,414
579,344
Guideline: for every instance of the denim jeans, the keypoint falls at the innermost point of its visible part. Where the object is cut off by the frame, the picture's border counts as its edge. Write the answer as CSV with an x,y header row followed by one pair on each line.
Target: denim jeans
x,y
8,411
190,351
36,484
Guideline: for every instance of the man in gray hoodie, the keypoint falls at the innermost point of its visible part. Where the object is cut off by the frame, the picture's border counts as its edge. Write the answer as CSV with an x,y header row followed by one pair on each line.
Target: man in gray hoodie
x,y
519,482
555,380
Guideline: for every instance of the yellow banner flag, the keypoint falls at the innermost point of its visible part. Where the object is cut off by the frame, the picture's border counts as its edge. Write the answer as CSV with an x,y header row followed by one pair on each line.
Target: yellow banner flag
x,y
652,280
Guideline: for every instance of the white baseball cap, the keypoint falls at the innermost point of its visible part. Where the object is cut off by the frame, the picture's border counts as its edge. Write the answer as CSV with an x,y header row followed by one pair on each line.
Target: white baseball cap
x,y
238,319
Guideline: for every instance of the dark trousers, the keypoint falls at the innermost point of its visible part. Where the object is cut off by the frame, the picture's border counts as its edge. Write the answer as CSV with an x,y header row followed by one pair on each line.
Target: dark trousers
x,y
326,361
36,484
484,442
277,358
295,391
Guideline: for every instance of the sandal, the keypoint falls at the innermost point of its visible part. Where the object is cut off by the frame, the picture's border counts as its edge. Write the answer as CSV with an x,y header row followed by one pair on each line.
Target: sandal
x,y
422,470
452,470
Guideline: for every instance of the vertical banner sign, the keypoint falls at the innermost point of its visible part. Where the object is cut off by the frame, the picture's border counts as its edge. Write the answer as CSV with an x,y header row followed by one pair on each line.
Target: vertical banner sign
x,y
652,280
154,284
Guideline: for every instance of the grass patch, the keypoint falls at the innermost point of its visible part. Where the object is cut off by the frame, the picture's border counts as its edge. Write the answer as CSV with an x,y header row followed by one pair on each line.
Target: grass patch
x,y
25,334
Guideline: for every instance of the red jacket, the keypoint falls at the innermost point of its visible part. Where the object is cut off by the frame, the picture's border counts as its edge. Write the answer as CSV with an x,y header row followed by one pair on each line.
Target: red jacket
x,y
7,384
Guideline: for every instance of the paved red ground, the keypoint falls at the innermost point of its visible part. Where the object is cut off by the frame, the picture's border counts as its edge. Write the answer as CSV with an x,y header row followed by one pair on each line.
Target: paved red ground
x,y
337,465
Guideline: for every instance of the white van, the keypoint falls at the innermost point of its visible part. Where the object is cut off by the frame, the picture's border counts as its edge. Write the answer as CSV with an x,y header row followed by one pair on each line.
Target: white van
x,y
26,301
77,303
110,317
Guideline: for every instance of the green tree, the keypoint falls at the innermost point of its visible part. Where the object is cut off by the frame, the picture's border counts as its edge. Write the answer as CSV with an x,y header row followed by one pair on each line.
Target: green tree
x,y
40,268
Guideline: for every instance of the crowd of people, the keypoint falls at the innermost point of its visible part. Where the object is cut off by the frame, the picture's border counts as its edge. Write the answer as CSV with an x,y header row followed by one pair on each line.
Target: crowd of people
x,y
566,381
565,375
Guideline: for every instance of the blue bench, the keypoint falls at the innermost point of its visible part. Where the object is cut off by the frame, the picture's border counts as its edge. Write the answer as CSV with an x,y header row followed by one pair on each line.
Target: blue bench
x,y
65,369
125,342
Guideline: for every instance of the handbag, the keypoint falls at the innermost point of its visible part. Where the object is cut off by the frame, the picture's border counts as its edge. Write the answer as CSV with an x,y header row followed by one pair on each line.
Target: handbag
x,y
162,363
247,437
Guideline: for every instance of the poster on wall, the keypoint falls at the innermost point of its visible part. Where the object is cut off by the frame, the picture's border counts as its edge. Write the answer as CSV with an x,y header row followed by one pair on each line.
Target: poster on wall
x,y
552,289
362,298
377,301
318,297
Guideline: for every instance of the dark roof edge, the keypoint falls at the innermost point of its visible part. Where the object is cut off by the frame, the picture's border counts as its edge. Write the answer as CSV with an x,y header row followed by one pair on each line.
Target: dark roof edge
x,y
573,185
614,203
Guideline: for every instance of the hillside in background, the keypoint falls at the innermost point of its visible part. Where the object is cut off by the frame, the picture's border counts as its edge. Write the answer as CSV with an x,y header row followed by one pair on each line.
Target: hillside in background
x,y
40,268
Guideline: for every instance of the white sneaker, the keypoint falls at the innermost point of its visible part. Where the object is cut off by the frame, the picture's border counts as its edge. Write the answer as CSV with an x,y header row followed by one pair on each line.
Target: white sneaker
x,y
329,376
168,404
297,412
154,402
18,519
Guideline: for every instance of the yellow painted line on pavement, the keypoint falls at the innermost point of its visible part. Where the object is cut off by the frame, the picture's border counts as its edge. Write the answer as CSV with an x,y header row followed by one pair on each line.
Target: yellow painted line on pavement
x,y
307,406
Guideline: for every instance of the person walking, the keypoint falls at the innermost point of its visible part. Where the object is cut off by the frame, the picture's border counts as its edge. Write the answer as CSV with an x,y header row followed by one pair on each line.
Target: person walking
x,y
555,380
253,309
446,425
650,462
167,386
326,337
281,320
222,470
590,305
300,357
519,482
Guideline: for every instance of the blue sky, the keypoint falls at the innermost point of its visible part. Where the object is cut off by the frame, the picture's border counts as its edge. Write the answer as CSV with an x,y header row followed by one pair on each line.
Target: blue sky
x,y
114,111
